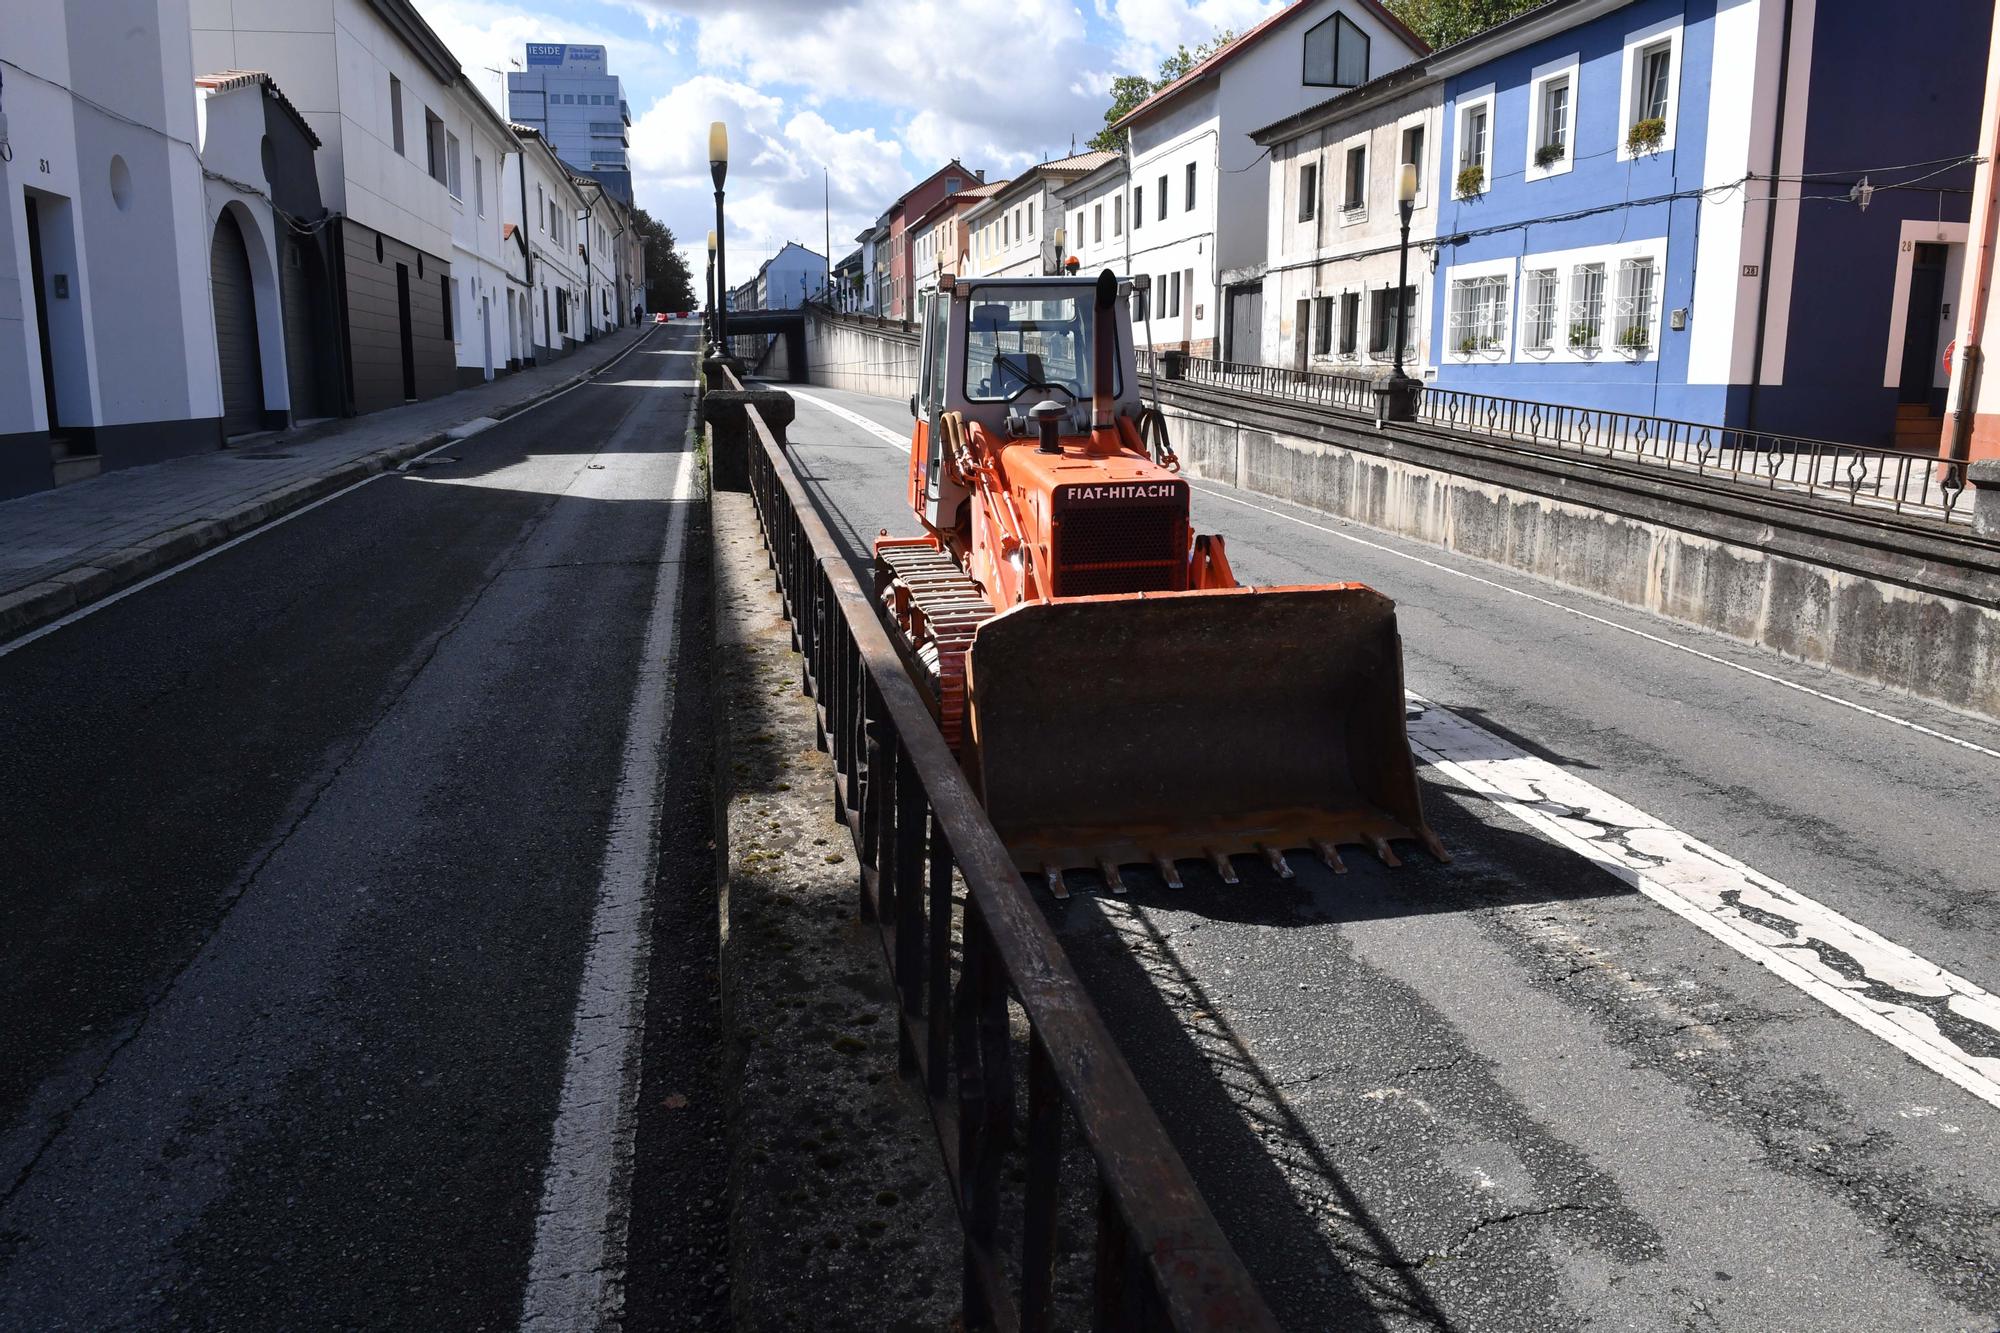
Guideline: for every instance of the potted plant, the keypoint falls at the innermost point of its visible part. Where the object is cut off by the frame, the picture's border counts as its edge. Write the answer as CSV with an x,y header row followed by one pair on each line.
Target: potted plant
x,y
1583,337
1634,340
1471,182
1647,135
1549,154
1468,345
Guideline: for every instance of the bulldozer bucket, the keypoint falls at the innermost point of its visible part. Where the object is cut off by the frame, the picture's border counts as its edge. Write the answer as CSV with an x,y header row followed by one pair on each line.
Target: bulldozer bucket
x,y
1152,728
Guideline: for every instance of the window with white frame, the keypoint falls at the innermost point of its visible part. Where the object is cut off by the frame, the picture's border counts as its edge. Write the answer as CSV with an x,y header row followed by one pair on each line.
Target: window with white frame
x,y
1552,114
452,180
1096,224
1308,192
1539,300
1475,120
1118,216
1586,308
1355,197
479,183
1647,110
1412,154
1632,309
1478,314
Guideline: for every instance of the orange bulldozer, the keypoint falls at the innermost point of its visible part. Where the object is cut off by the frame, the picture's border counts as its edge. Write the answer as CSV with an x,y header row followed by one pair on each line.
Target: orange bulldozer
x,y
1114,695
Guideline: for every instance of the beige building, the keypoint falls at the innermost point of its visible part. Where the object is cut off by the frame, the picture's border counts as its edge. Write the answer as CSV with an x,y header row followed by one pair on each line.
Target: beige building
x,y
1330,286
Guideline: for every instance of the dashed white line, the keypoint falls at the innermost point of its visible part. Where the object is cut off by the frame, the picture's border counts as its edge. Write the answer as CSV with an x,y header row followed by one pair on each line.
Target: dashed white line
x,y
1872,981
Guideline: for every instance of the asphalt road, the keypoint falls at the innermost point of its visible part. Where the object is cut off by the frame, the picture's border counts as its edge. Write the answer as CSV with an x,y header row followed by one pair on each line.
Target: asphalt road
x,y
1511,1092
305,847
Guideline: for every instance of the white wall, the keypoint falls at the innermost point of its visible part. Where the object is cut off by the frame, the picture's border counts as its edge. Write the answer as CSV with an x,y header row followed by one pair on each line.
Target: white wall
x,y
232,137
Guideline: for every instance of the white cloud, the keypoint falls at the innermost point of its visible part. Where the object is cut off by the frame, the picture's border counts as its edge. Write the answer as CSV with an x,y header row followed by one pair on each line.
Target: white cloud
x,y
1151,30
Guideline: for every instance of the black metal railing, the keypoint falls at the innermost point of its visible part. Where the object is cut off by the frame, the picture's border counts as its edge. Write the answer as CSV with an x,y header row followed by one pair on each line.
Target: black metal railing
x,y
968,949
1856,474
1353,393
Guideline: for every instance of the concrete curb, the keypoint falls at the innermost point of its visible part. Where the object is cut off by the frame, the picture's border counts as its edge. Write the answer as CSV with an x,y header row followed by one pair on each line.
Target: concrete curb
x,y
30,608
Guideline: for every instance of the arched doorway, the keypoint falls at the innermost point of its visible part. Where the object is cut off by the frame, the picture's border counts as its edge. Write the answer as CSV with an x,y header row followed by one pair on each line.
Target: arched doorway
x,y
236,329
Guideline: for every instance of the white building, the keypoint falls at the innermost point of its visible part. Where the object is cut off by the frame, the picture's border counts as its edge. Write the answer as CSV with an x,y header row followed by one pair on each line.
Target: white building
x,y
1093,206
107,333
554,203
485,317
1012,233
1198,196
1330,289
383,93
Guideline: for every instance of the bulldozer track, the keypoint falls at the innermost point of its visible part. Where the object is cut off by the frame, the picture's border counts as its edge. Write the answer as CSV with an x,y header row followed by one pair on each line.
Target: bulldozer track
x,y
936,607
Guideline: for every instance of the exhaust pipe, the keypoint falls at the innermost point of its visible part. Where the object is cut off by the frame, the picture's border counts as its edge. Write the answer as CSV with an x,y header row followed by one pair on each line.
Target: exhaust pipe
x,y
1104,350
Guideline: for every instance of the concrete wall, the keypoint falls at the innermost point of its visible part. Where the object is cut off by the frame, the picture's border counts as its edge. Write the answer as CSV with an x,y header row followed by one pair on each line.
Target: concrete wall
x,y
862,357
1912,618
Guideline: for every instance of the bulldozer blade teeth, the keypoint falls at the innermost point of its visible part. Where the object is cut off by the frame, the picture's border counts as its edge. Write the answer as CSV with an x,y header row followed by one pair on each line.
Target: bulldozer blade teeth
x,y
1436,847
1382,850
1223,867
1054,875
1275,858
1111,879
1168,872
1330,855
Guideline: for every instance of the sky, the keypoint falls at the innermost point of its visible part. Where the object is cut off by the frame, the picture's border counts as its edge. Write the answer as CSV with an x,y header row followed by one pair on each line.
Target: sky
x,y
859,99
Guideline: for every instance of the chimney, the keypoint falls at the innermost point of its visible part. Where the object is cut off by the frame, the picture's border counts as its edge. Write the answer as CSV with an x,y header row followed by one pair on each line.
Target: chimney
x,y
980,175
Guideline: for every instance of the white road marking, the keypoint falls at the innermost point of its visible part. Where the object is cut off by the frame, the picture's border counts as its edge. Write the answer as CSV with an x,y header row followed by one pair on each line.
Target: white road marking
x,y
1874,982
874,428
648,384
576,1275
112,599
1210,488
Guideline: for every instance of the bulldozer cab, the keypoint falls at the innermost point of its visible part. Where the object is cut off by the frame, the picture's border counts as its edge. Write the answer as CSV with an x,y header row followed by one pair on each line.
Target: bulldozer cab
x,y
992,348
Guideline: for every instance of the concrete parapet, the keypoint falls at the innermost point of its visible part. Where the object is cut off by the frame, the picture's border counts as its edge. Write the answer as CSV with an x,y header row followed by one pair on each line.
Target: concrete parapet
x,y
729,430
1912,606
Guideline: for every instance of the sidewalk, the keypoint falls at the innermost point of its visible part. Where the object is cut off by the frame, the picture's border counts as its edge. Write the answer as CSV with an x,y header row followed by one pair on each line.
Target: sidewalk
x,y
64,548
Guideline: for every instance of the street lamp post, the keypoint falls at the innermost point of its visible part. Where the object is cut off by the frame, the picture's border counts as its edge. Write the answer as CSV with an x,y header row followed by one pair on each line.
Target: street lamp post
x,y
1397,399
718,168
711,284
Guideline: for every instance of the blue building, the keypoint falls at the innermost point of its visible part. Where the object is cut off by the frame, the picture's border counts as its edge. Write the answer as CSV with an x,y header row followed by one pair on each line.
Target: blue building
x,y
579,107
1745,212
785,281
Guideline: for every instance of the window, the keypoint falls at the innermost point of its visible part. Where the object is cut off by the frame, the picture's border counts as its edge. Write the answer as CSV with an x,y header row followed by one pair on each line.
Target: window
x,y
1336,54
1655,64
1555,118
1190,187
1632,313
434,145
1096,223
453,181
1118,216
1350,322
1382,306
1138,207
479,184
1356,197
1538,295
1309,192
1475,123
1175,310
1413,148
1323,326
445,284
951,184
1010,332
396,113
1478,314
1586,308
1031,219
540,215
1163,198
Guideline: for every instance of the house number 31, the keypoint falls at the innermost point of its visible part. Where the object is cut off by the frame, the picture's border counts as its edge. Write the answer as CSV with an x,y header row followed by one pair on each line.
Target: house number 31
x,y
45,166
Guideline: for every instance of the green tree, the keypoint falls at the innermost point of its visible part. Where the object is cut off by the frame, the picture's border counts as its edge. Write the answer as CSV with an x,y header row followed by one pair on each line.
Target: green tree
x,y
1128,90
1442,22
669,285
